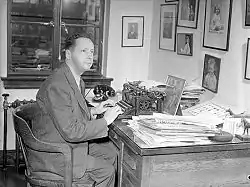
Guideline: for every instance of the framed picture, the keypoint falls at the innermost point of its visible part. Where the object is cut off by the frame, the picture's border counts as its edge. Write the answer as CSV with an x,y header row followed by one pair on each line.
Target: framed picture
x,y
247,13
188,13
168,20
247,65
211,72
217,24
185,44
174,89
132,31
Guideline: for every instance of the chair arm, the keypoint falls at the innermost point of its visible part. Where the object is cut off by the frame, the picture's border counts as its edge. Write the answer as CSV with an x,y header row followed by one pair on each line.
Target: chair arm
x,y
63,148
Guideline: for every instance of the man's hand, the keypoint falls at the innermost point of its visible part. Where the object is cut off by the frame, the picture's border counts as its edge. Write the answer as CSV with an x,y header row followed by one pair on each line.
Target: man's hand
x,y
112,113
102,107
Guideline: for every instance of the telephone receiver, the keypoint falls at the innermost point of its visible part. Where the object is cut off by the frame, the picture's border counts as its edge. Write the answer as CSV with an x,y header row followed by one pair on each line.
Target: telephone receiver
x,y
103,92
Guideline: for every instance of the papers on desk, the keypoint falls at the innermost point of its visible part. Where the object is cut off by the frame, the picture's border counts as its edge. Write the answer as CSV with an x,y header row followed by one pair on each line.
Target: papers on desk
x,y
191,95
160,130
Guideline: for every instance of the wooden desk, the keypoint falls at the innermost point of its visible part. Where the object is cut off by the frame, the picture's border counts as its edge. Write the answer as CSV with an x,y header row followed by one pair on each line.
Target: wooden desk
x,y
213,165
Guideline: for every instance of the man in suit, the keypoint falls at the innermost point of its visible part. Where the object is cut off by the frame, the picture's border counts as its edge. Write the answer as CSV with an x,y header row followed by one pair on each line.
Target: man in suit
x,y
133,33
66,118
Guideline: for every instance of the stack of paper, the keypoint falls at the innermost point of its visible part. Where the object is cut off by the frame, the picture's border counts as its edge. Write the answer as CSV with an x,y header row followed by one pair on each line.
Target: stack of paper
x,y
172,130
191,95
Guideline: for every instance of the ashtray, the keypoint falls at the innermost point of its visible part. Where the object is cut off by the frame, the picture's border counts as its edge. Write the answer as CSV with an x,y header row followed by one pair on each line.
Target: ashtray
x,y
222,137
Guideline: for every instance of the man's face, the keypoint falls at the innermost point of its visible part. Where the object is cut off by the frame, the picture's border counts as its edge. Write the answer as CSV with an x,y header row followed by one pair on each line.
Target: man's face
x,y
82,54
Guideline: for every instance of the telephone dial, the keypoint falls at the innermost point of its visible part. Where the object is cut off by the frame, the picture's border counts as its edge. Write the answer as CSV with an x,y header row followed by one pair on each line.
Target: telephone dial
x,y
103,92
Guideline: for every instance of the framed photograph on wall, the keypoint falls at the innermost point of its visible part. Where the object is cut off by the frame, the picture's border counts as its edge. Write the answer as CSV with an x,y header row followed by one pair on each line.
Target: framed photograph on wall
x,y
168,18
217,24
188,13
247,65
247,13
132,31
211,72
174,89
185,44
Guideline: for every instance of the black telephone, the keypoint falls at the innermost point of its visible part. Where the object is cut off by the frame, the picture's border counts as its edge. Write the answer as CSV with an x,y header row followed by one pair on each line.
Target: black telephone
x,y
103,92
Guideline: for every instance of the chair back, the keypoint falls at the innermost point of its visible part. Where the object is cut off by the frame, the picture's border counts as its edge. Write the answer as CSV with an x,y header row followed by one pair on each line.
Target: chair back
x,y
22,118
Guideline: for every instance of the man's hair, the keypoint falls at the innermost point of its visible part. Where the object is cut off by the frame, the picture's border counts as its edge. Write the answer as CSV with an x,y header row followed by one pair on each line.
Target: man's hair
x,y
71,40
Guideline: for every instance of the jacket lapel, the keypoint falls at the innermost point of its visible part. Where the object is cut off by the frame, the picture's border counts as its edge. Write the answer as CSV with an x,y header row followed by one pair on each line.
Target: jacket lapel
x,y
81,100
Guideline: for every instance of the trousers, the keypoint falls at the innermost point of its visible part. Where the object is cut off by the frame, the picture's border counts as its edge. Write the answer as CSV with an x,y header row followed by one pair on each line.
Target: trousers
x,y
102,163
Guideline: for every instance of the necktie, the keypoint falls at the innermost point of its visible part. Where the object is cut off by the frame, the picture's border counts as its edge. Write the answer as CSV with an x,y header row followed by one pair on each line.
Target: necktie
x,y
82,85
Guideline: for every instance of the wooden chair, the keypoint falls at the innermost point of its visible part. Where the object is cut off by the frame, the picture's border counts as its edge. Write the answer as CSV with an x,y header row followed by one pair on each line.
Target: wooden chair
x,y
23,117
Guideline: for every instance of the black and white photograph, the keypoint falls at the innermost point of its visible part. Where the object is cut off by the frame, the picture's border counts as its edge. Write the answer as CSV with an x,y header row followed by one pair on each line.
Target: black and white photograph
x,y
211,73
188,13
185,44
124,93
174,89
217,24
168,17
132,31
217,21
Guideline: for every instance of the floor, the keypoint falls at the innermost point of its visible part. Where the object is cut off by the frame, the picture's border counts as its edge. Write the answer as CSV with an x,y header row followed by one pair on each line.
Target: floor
x,y
10,178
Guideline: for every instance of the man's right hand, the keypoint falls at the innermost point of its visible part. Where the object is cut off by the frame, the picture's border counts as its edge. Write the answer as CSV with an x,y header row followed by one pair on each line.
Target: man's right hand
x,y
111,114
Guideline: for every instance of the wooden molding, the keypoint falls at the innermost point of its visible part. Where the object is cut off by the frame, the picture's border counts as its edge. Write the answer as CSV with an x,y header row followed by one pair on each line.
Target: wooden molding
x,y
34,82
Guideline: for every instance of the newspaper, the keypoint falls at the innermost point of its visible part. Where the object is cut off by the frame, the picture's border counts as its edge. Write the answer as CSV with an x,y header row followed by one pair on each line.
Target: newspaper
x,y
164,130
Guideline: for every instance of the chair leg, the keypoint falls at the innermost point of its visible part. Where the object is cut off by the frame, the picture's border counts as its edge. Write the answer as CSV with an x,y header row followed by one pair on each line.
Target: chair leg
x,y
17,154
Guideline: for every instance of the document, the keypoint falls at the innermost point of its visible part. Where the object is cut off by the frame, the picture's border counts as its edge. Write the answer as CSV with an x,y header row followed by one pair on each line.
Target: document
x,y
161,130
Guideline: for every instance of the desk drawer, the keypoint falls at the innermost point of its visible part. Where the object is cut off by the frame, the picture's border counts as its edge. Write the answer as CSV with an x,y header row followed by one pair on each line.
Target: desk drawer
x,y
128,179
132,161
114,138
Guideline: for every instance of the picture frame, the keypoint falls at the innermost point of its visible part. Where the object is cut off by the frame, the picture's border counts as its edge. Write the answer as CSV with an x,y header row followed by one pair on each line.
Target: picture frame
x,y
247,13
211,72
217,24
185,44
132,31
168,19
188,13
174,90
247,64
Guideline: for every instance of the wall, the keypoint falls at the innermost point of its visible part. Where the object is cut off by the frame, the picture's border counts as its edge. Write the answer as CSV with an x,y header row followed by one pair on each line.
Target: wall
x,y
128,63
232,88
164,62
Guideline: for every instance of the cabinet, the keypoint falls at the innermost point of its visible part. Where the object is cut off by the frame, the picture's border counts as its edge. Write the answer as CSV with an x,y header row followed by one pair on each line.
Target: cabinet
x,y
36,33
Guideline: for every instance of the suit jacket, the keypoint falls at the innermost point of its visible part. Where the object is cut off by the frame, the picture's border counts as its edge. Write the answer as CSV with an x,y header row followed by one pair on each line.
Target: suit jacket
x,y
64,118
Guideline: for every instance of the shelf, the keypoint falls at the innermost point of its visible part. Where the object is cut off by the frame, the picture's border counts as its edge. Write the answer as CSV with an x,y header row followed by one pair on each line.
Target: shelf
x,y
34,82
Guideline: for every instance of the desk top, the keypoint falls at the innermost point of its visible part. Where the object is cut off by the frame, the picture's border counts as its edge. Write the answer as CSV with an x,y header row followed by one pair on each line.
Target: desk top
x,y
141,148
